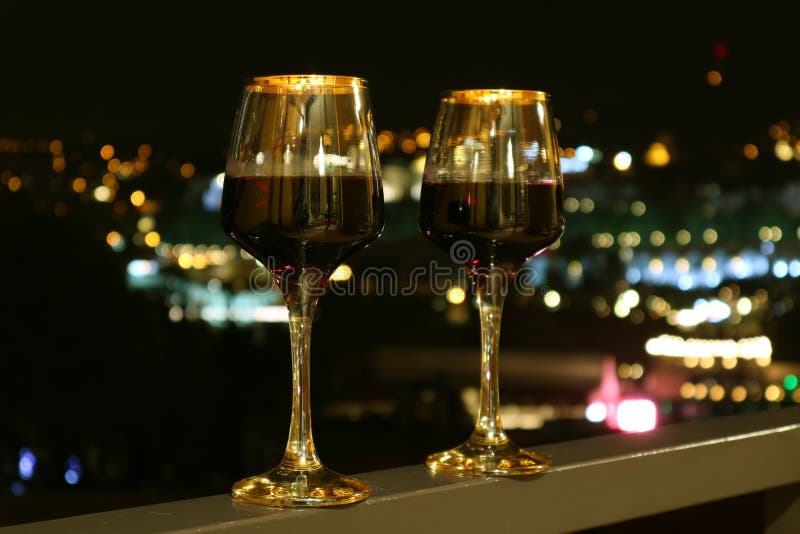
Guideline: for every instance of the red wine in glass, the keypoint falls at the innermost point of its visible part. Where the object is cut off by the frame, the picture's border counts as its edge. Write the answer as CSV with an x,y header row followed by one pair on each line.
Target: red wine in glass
x,y
293,223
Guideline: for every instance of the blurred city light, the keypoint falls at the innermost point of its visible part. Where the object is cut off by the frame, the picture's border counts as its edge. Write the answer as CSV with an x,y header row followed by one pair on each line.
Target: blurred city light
x,y
596,412
342,273
758,347
636,415
26,465
456,295
622,161
74,470
714,78
552,299
790,382
657,155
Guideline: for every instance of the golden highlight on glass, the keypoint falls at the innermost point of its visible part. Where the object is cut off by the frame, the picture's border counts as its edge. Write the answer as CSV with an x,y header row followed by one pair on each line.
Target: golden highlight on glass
x,y
492,196
302,192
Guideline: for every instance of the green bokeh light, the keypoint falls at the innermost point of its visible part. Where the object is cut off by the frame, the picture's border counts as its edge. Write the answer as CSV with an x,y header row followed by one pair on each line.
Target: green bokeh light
x,y
790,382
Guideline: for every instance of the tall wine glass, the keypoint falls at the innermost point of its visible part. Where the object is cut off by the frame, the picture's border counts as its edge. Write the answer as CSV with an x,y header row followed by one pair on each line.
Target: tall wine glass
x,y
492,196
302,192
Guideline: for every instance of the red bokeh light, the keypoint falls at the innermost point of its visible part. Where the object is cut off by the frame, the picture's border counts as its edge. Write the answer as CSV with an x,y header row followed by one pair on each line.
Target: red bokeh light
x,y
719,50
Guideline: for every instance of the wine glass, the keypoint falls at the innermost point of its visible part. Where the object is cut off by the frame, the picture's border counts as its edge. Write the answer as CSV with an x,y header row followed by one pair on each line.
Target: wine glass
x,y
302,192
492,196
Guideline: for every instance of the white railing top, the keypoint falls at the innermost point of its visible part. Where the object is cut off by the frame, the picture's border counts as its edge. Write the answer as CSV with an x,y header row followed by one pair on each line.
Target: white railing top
x,y
594,482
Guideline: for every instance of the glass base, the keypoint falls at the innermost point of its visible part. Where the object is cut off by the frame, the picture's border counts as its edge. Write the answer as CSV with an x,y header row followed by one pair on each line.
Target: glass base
x,y
288,488
473,459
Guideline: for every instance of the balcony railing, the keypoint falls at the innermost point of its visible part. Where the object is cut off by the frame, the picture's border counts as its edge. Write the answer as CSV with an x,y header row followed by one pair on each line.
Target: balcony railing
x,y
595,482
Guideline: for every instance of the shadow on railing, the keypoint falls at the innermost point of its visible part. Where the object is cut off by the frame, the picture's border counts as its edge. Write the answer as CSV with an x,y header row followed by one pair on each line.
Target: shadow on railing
x,y
595,482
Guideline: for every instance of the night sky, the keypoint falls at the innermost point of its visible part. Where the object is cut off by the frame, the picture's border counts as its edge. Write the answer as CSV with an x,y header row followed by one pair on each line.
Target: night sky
x,y
167,74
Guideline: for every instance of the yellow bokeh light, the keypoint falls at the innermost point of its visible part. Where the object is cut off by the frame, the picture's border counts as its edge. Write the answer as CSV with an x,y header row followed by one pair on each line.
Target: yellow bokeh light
x,y
739,394
79,185
199,261
14,184
687,390
571,204
56,147
138,198
113,165
126,169
624,370
552,299
622,161
709,264
187,170
456,295
776,233
714,78
638,208
729,362
683,237
710,236
784,151
750,151
586,205
107,152
385,141
658,305
408,145
59,163
185,260
423,139
103,194
113,238
109,180
574,269
773,393
682,265
637,371
744,305
152,239
342,273
707,362
691,362
604,240
716,393
145,151
700,391
145,224
657,155
657,238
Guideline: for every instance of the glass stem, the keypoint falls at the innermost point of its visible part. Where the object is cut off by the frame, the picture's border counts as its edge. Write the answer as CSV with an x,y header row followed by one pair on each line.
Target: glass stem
x,y
300,453
488,426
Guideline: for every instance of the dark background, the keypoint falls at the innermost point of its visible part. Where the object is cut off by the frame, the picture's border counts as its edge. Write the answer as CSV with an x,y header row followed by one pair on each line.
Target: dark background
x,y
172,72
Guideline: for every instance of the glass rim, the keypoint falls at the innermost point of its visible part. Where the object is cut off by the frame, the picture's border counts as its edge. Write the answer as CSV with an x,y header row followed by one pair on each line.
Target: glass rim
x,y
302,81
485,96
